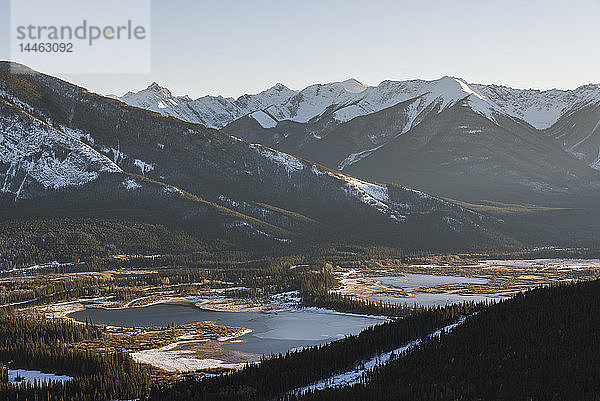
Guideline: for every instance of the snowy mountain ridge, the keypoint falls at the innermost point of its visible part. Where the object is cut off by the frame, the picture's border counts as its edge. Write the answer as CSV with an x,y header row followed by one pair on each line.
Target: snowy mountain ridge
x,y
541,109
63,148
350,99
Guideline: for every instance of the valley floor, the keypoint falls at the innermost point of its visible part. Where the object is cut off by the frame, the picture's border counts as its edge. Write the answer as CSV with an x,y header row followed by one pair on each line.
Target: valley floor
x,y
205,347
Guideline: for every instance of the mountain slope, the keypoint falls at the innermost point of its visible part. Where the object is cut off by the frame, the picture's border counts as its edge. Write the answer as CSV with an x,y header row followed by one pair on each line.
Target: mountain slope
x,y
49,156
258,190
345,100
464,155
481,151
291,120
395,107
212,111
578,132
350,99
541,109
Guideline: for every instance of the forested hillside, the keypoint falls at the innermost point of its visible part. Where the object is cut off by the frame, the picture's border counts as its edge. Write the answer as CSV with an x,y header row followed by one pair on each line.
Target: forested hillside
x,y
541,345
46,344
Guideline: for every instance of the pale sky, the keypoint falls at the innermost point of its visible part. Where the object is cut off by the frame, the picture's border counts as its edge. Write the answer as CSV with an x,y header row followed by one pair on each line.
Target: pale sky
x,y
231,47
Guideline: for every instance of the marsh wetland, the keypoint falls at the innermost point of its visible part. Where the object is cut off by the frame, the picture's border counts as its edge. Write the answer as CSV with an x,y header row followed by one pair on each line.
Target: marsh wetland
x,y
203,325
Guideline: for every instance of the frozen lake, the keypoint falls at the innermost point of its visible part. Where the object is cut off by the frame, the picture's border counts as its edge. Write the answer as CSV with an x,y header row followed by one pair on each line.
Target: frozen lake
x,y
273,332
30,376
412,282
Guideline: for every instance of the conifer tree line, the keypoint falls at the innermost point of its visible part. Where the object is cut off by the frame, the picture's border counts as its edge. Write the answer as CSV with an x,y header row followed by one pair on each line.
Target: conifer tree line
x,y
540,345
91,241
545,320
279,374
45,344
261,276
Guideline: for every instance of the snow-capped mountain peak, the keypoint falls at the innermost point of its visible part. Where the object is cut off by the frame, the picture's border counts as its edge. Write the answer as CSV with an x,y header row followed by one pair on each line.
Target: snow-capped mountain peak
x,y
450,90
274,95
354,86
154,97
278,88
539,108
351,98
438,94
154,86
456,89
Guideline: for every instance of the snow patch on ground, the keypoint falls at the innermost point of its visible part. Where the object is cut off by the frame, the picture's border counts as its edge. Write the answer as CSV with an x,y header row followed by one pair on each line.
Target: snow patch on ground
x,y
118,156
290,163
372,194
316,170
355,157
179,360
348,113
130,184
80,135
356,375
596,164
36,151
454,224
376,191
143,166
172,190
366,191
243,224
264,119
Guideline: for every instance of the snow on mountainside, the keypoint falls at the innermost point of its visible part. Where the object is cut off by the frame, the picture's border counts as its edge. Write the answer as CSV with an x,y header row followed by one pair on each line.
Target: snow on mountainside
x,y
34,152
112,156
541,109
154,98
315,99
212,111
440,94
339,124
265,120
351,99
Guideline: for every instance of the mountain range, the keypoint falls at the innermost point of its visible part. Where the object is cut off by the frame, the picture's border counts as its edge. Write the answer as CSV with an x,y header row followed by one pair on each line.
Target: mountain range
x,y
433,165
65,151
456,139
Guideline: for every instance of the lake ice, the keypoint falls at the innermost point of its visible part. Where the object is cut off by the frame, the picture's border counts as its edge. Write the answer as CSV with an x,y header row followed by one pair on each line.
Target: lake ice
x,y
273,332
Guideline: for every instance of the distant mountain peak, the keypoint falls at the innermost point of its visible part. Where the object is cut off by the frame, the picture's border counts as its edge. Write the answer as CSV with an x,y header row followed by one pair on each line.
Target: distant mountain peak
x,y
155,97
158,89
354,86
450,78
217,185
279,90
279,87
